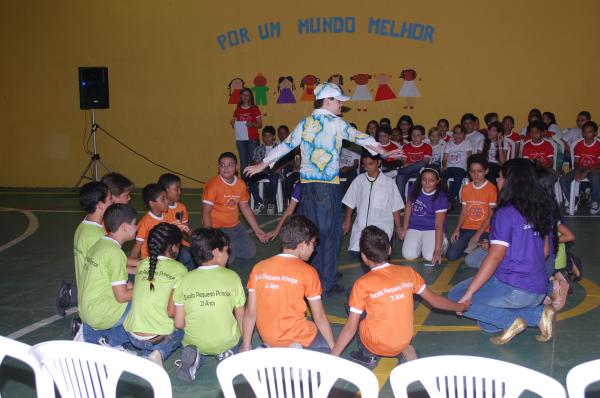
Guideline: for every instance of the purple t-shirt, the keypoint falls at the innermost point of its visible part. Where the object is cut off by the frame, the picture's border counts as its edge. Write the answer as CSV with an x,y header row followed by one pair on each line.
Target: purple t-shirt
x,y
297,193
422,211
523,264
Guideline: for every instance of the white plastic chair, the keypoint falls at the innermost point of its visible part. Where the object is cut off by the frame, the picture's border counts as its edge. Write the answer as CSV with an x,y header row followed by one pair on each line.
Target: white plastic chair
x,y
89,370
292,372
21,351
279,195
455,376
510,146
581,376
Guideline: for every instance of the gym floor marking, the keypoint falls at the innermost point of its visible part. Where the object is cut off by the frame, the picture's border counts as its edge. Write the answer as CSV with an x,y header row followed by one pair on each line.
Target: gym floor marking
x,y
32,226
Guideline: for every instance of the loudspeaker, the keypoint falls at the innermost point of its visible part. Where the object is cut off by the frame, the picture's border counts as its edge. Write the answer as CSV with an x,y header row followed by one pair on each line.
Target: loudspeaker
x,y
93,87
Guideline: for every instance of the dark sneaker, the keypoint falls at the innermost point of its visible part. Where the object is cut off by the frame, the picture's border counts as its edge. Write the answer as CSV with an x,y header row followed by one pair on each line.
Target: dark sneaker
x,y
335,289
75,326
190,359
224,355
368,360
63,298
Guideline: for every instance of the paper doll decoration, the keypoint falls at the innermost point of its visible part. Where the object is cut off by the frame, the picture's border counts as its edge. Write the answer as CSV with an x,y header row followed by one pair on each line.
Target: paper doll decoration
x,y
285,89
361,92
235,87
384,92
260,90
409,89
337,79
308,83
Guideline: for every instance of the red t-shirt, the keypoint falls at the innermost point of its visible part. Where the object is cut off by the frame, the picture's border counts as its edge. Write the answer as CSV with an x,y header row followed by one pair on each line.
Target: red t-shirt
x,y
250,114
586,156
514,137
415,154
389,163
542,152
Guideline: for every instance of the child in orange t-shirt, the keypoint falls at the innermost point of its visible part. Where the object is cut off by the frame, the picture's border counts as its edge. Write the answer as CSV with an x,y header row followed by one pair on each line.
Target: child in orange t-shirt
x,y
178,215
381,305
221,198
277,288
478,200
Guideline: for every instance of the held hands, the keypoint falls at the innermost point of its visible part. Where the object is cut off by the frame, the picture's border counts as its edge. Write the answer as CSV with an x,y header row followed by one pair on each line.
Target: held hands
x,y
271,235
262,236
466,301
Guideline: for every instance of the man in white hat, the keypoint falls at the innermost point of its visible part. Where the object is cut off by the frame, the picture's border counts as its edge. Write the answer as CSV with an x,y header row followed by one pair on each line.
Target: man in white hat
x,y
320,138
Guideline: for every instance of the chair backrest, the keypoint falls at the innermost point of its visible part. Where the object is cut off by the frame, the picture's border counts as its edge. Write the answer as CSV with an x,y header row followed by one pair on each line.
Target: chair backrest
x,y
555,155
87,370
21,351
510,153
292,372
581,376
455,376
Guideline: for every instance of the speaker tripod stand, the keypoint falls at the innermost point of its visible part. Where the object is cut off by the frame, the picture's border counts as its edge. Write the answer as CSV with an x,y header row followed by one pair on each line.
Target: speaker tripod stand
x,y
95,161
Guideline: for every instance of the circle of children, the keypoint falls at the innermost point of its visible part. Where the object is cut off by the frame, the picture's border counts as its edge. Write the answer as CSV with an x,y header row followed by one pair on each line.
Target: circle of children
x,y
509,227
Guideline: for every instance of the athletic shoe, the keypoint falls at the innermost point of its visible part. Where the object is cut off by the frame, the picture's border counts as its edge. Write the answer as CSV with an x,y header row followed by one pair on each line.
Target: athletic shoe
x,y
75,326
155,357
63,298
566,203
594,208
362,358
270,209
258,209
224,355
103,341
188,365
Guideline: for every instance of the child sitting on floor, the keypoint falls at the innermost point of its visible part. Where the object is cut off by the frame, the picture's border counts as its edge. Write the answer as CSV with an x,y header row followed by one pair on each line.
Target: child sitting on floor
x,y
209,304
381,305
277,289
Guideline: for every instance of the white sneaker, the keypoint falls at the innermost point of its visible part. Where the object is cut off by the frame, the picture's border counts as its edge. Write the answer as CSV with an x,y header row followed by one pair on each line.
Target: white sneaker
x,y
258,209
102,341
566,203
594,208
188,365
155,357
270,209
224,355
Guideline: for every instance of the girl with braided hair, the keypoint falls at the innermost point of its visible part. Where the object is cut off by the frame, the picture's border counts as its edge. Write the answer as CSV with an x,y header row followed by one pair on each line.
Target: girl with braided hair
x,y
150,320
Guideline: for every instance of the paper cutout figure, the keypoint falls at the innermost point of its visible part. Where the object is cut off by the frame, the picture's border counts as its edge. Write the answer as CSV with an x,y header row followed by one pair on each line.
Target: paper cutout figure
x,y
285,87
308,83
337,79
409,89
235,87
361,92
384,92
260,90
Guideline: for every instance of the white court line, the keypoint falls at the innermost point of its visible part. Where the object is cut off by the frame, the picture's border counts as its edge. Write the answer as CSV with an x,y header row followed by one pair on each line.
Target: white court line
x,y
32,226
47,321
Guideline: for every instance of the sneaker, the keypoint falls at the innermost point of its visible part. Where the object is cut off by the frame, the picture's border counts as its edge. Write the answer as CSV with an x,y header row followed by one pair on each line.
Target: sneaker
x,y
368,360
103,341
224,355
188,365
155,357
75,326
270,209
335,289
594,208
63,298
258,209
296,345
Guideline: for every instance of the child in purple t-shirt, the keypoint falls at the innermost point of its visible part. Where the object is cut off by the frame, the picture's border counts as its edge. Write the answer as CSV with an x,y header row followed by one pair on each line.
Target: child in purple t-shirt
x,y
425,218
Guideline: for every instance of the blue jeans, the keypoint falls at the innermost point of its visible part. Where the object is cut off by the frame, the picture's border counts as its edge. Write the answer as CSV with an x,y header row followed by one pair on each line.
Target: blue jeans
x,y
456,249
458,175
321,203
185,258
496,305
241,244
271,191
475,258
166,347
405,173
246,151
235,349
115,335
593,177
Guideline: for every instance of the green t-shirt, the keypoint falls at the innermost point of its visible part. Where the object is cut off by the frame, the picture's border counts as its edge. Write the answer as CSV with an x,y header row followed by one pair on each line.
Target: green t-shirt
x,y
86,235
105,266
148,312
209,295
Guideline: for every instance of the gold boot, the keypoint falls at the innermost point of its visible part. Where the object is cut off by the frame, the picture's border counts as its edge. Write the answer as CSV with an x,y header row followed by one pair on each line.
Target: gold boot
x,y
546,324
517,327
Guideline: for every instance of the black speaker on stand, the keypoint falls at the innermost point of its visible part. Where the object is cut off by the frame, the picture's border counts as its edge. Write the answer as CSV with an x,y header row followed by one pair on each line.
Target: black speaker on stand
x,y
93,94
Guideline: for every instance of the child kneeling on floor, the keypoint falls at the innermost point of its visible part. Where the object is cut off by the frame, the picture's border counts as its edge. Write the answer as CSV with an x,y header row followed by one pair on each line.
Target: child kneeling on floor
x,y
209,304
381,305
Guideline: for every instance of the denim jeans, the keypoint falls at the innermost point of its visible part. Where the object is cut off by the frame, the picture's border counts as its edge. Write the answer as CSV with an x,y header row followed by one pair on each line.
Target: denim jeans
x,y
457,174
407,172
185,258
166,347
593,177
322,204
246,151
115,335
241,244
456,249
476,257
496,305
271,191
319,344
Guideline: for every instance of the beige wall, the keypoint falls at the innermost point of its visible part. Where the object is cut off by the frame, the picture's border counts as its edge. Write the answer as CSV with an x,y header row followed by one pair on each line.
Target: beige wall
x,y
168,75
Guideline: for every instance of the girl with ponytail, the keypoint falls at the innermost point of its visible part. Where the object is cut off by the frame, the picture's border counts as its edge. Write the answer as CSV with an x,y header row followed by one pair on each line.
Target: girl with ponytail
x,y
150,320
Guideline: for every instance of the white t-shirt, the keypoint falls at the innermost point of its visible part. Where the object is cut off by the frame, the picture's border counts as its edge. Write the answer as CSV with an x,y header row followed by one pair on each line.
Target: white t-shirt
x,y
437,151
457,154
492,157
476,140
347,157
374,200
572,136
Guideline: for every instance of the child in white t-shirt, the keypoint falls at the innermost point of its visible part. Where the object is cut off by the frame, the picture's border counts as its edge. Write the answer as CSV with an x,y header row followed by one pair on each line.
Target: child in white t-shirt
x,y
454,161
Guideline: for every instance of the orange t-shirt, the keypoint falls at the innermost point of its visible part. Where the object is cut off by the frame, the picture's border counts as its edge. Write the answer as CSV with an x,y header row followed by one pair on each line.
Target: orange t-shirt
x,y
386,294
143,230
281,283
478,201
225,198
171,217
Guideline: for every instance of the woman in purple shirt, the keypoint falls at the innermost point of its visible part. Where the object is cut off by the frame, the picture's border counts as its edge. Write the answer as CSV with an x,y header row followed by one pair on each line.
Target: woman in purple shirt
x,y
507,292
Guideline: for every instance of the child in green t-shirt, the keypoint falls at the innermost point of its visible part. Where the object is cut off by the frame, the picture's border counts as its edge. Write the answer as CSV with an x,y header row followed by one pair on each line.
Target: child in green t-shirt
x,y
149,322
209,304
104,293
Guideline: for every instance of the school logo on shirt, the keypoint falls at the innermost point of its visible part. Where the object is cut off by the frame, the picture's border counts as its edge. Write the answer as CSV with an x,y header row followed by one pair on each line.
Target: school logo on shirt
x,y
586,161
475,212
231,201
418,209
